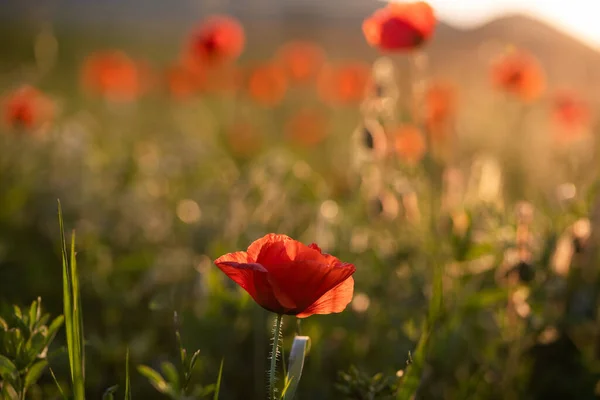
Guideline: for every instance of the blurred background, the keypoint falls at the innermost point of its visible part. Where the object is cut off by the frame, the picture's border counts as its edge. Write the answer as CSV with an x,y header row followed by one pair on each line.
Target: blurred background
x,y
476,152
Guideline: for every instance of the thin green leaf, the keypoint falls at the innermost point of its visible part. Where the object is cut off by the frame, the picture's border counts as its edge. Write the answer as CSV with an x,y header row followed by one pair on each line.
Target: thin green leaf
x,y
171,375
34,373
62,393
156,380
7,368
218,384
298,353
72,313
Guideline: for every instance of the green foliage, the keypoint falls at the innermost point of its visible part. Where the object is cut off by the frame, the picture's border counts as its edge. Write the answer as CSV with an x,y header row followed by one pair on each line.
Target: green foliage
x,y
177,382
24,341
357,385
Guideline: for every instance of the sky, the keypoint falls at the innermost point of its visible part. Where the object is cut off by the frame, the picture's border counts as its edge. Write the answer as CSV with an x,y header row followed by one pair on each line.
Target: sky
x,y
577,17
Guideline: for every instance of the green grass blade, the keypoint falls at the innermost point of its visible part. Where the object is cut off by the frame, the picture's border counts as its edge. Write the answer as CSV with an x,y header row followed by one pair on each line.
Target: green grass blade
x,y
127,379
79,384
218,384
412,377
72,312
67,299
62,393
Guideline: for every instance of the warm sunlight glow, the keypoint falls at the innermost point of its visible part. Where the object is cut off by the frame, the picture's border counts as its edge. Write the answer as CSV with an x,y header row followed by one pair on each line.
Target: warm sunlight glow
x,y
577,17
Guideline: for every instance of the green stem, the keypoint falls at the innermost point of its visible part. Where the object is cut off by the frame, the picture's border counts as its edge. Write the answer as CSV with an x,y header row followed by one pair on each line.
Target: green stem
x,y
274,352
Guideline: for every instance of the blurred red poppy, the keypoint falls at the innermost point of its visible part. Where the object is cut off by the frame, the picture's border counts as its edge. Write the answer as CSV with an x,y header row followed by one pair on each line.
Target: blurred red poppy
x,y
400,26
440,108
244,139
287,277
520,74
183,82
27,107
569,111
267,84
308,127
343,84
217,39
112,74
301,60
410,143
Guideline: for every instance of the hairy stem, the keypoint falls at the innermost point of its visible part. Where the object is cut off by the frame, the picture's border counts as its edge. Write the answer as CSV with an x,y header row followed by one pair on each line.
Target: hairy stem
x,y
274,354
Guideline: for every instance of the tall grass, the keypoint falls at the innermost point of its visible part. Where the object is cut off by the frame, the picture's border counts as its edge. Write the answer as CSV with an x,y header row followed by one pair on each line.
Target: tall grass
x,y
73,312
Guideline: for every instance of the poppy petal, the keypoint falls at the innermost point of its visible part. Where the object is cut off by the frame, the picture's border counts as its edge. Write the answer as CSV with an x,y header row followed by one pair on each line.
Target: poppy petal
x,y
304,282
255,247
334,301
252,277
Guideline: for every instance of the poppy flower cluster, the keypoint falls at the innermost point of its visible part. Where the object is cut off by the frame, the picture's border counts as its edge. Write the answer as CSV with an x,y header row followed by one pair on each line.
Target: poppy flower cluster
x,y
285,276
570,114
400,27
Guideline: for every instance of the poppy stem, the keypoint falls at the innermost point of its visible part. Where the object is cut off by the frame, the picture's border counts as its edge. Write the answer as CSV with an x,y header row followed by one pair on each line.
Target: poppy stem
x,y
274,355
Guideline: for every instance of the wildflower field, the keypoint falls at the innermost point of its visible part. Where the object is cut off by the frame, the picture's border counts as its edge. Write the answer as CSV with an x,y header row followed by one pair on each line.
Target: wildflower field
x,y
249,215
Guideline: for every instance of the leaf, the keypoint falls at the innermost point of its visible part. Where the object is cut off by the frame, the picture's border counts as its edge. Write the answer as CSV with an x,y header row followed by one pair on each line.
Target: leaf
x,y
109,394
298,353
35,311
7,369
34,373
218,384
156,380
62,393
170,373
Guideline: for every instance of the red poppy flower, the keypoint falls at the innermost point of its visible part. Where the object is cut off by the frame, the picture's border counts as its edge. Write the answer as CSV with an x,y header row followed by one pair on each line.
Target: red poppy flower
x,y
27,107
410,144
267,84
308,127
287,277
519,74
244,139
112,74
400,26
440,106
570,111
218,39
301,60
343,84
183,82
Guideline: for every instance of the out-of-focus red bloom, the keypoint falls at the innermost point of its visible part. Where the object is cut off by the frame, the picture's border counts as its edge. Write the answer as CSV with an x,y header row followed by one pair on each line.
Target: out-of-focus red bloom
x,y
409,143
440,108
520,74
301,60
27,107
183,82
217,39
343,84
570,110
112,74
308,127
287,277
243,139
400,26
267,84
